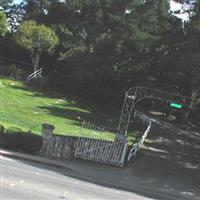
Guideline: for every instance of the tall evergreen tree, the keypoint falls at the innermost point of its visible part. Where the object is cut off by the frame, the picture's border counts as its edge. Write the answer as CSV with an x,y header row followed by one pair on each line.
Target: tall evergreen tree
x,y
5,3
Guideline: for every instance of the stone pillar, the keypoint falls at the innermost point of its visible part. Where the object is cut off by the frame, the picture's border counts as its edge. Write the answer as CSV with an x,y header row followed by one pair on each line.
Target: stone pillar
x,y
47,132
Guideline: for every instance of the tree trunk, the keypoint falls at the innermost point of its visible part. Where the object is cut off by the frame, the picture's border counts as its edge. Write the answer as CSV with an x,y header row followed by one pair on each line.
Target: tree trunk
x,y
35,57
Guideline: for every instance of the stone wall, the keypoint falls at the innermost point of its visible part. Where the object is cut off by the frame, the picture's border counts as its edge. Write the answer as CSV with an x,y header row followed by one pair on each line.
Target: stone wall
x,y
57,146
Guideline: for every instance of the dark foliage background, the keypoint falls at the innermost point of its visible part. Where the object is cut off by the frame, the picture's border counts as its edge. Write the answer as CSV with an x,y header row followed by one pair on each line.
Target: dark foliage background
x,y
107,46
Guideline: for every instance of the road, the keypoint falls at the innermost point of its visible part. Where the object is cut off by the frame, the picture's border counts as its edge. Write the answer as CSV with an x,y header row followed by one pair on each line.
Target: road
x,y
26,181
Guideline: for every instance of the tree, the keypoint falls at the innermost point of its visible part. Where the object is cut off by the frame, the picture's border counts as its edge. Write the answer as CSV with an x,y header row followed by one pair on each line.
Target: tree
x,y
35,9
36,39
117,35
5,3
3,24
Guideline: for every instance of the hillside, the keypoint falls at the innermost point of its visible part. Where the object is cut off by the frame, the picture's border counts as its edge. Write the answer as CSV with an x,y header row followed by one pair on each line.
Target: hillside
x,y
28,109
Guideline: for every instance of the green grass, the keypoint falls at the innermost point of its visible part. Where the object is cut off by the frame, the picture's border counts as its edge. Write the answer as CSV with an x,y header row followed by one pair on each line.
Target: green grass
x,y
28,109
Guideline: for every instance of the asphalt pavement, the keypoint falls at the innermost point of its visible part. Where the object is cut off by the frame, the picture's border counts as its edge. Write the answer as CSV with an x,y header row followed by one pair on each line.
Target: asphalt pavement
x,y
24,181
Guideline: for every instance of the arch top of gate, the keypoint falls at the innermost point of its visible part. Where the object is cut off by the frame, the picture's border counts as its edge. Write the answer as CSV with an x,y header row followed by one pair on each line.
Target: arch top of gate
x,y
146,92
136,94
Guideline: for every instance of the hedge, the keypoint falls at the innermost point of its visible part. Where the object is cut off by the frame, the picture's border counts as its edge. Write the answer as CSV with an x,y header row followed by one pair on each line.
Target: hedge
x,y
16,139
2,129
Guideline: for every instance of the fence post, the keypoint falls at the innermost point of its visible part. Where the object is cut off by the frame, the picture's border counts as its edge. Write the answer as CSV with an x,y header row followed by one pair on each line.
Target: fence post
x,y
124,152
47,132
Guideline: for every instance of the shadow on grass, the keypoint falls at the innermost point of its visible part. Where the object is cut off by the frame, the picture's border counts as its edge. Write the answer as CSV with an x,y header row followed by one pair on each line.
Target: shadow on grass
x,y
79,110
73,113
36,92
73,108
69,99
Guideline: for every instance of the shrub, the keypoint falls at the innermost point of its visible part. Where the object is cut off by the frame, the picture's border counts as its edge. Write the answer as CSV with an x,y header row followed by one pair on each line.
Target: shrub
x,y
14,138
2,135
1,128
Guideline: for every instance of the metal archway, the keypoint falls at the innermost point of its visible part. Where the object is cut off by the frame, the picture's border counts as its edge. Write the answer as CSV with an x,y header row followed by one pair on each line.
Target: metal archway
x,y
196,95
136,94
136,146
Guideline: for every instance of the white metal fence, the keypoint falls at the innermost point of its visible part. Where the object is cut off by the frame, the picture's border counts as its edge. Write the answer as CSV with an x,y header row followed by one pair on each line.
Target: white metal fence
x,y
102,145
89,129
102,151
35,74
147,122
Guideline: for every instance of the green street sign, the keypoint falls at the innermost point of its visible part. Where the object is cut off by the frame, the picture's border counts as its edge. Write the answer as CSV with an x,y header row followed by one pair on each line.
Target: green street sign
x,y
176,105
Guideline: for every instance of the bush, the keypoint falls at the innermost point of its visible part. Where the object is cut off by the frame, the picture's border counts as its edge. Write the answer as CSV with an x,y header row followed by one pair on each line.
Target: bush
x,y
15,139
2,137
1,128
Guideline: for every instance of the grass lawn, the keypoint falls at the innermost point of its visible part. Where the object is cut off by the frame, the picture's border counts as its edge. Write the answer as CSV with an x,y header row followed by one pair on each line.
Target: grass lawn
x,y
28,109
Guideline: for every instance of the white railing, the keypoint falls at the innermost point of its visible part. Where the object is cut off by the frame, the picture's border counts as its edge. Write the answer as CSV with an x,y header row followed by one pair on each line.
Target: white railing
x,y
98,143
35,74
100,132
103,151
146,120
